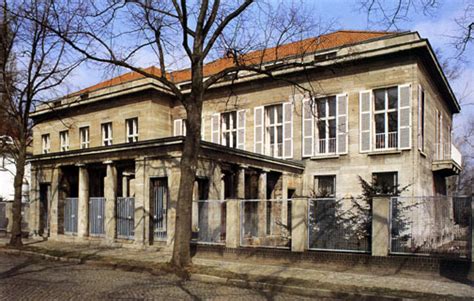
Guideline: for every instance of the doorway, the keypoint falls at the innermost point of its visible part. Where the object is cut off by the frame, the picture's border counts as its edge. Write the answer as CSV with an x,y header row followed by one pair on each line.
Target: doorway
x,y
45,195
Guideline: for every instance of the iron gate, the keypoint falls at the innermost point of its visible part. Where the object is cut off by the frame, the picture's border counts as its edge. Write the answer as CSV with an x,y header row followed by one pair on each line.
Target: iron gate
x,y
159,193
96,216
70,215
3,217
125,217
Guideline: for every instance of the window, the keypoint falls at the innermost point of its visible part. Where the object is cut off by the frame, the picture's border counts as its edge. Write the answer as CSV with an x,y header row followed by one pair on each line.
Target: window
x,y
229,129
386,118
64,139
325,186
326,129
107,134
132,129
385,182
46,143
274,131
421,119
180,127
84,137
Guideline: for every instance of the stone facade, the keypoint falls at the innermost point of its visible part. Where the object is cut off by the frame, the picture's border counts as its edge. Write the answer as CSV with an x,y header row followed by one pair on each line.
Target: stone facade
x,y
244,171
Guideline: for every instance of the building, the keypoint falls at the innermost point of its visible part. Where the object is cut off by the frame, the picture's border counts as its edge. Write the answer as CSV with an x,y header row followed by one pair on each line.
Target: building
x,y
109,166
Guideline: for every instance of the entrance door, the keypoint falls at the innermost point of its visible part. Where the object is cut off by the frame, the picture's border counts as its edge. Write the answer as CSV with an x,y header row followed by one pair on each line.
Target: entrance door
x,y
45,193
159,204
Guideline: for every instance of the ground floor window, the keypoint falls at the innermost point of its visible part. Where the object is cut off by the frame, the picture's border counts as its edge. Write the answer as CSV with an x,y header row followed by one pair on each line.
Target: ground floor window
x,y
385,182
325,186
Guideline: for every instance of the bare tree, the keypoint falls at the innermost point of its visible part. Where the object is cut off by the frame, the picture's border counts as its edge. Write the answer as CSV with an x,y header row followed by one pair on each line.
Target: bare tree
x,y
193,32
34,63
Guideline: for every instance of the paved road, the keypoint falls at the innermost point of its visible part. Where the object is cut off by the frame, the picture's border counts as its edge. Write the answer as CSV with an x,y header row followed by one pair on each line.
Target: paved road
x,y
23,278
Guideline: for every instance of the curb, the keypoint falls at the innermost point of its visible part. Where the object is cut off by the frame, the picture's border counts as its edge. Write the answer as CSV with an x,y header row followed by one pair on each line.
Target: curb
x,y
272,284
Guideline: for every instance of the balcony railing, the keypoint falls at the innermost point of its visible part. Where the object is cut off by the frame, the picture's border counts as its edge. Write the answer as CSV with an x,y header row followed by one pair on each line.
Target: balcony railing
x,y
326,146
386,140
447,151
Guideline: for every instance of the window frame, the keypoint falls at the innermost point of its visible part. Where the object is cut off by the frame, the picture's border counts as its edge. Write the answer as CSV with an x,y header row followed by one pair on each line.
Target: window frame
x,y
133,137
45,143
395,181
83,142
386,112
64,141
316,184
107,141
232,131
272,128
326,119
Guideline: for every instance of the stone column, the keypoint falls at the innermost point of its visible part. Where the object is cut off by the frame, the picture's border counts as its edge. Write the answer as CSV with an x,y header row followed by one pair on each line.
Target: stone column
x,y
380,225
241,182
262,204
233,208
174,177
284,196
140,221
195,209
125,190
34,213
299,230
110,194
83,202
54,206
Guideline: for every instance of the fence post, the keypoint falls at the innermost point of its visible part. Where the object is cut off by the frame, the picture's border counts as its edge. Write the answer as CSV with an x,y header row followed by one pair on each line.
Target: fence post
x,y
299,224
380,225
232,239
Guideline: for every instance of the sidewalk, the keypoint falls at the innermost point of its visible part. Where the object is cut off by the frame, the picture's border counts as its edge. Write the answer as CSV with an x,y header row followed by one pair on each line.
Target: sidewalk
x,y
319,282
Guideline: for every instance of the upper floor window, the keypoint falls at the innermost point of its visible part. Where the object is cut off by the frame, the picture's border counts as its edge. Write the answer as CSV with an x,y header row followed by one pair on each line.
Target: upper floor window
x,y
179,127
326,129
46,143
107,134
64,140
386,118
325,126
229,129
132,129
84,137
274,131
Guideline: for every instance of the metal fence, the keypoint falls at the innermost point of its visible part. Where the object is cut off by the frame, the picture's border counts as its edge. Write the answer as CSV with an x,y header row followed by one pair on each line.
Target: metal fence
x,y
209,221
339,224
3,217
265,223
430,225
70,215
96,216
125,217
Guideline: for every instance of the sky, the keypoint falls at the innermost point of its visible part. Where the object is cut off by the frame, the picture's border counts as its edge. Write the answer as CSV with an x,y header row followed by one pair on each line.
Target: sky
x,y
437,27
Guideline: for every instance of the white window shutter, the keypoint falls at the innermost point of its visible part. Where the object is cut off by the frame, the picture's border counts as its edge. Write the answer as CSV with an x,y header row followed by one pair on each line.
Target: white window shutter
x,y
215,128
308,128
404,117
365,120
203,132
420,146
178,125
241,129
258,129
287,130
342,123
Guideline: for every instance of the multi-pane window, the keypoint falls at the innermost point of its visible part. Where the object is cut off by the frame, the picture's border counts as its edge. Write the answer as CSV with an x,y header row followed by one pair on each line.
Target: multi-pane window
x,y
84,137
46,143
325,186
274,131
229,129
64,140
132,129
326,129
385,182
386,118
107,134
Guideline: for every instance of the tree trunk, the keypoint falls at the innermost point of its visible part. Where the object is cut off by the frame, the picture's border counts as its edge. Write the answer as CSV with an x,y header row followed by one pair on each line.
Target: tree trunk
x,y
15,239
181,249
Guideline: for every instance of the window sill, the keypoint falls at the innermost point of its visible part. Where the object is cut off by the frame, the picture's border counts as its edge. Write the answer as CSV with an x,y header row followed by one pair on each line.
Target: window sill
x,y
385,152
322,157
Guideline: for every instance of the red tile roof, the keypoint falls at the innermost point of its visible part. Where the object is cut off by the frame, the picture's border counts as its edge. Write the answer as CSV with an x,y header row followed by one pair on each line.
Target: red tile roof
x,y
310,45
